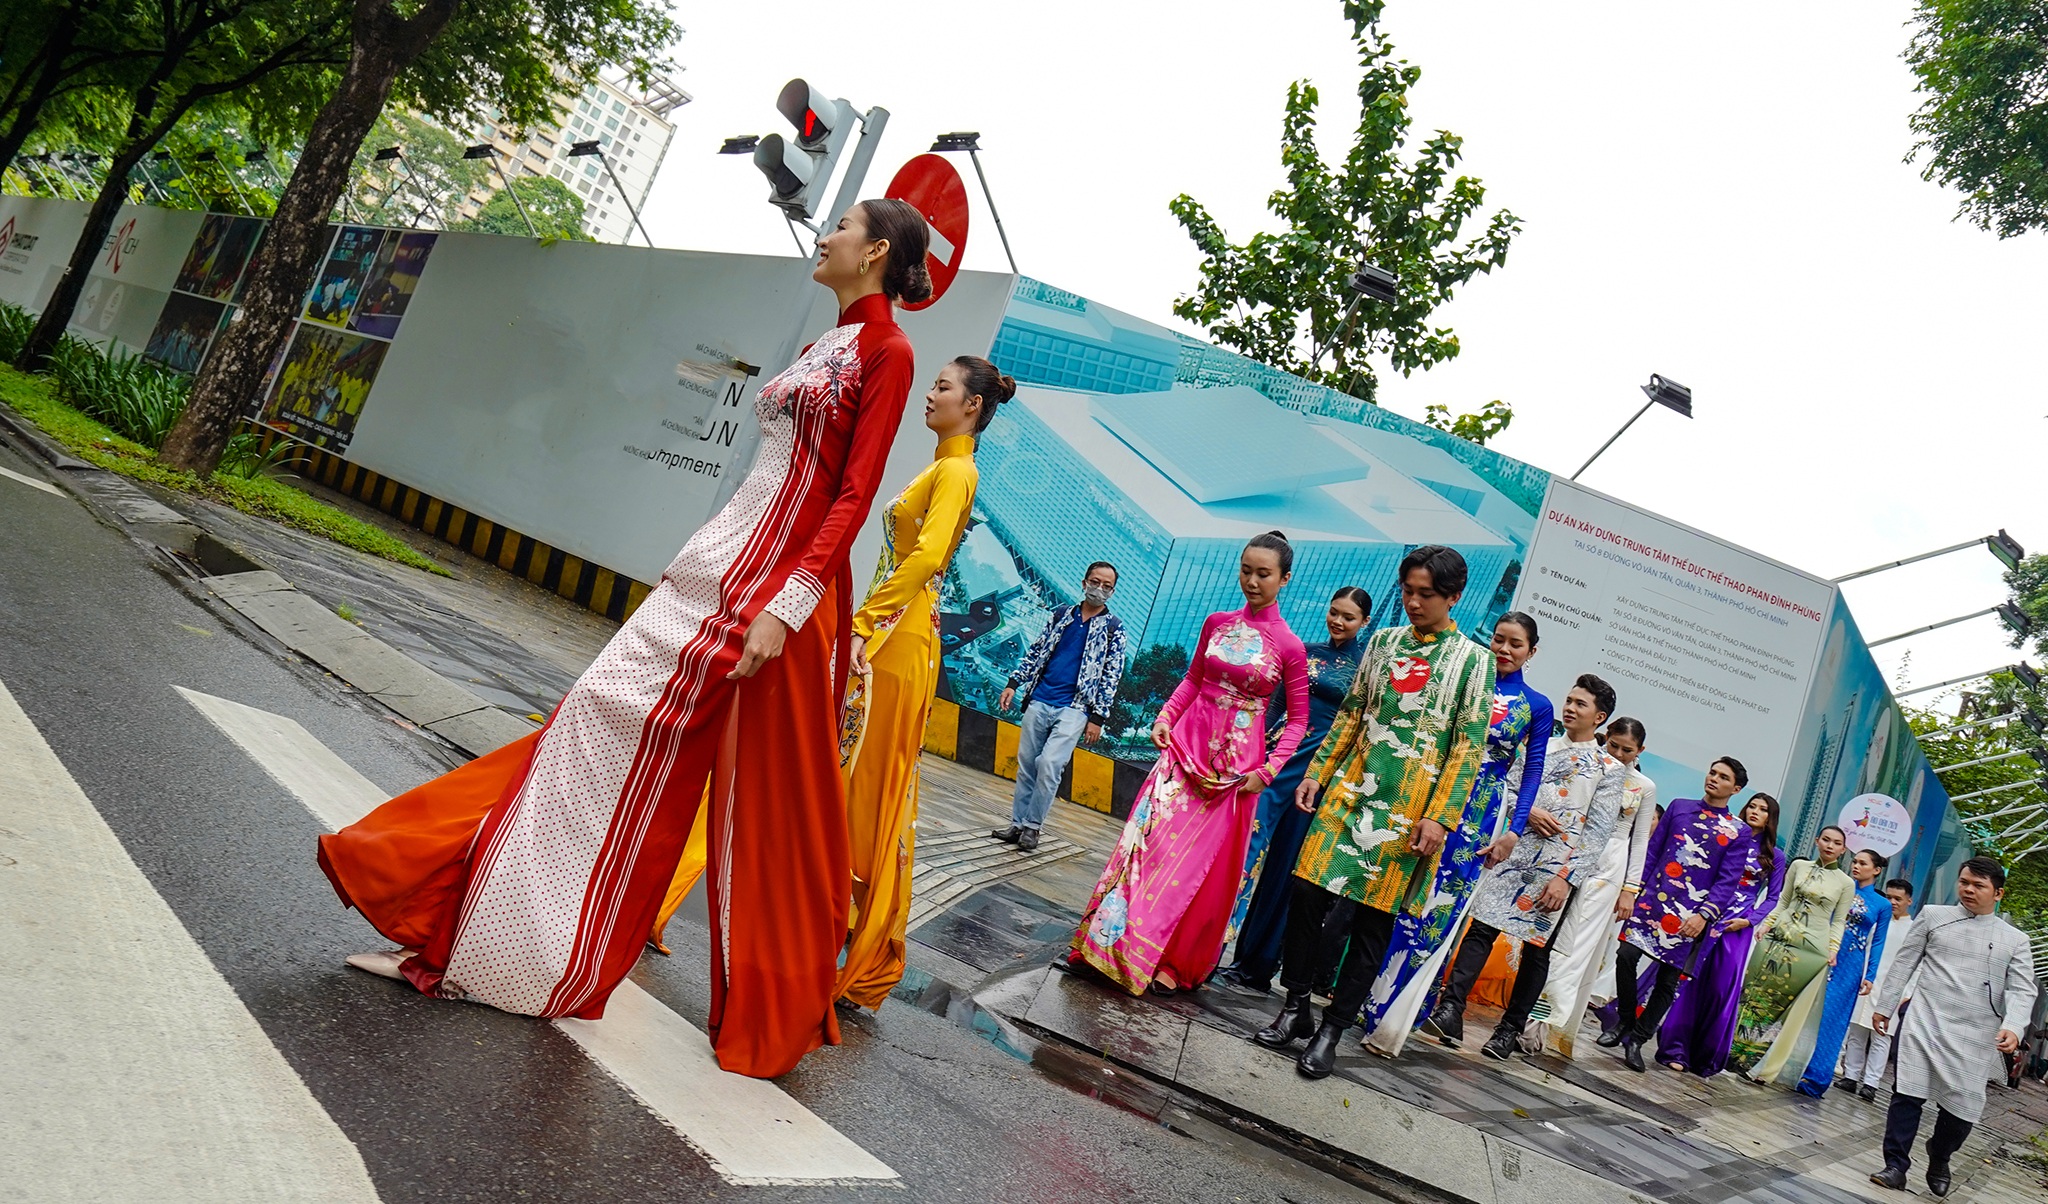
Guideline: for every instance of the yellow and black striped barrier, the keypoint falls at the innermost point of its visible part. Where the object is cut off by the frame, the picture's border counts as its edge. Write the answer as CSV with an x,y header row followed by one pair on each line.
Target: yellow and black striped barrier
x,y
987,743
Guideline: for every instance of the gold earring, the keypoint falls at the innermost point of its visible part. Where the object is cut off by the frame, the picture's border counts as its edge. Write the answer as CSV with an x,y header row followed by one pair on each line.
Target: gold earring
x,y
863,267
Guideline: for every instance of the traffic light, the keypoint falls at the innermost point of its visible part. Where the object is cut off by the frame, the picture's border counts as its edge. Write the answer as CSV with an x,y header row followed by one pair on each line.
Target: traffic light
x,y
798,169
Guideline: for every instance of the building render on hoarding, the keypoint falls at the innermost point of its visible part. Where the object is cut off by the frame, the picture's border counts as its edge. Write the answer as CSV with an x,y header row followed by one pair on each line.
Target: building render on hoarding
x,y
632,127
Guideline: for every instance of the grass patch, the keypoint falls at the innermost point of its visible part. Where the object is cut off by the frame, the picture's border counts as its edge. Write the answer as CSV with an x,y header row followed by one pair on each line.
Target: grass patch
x,y
35,399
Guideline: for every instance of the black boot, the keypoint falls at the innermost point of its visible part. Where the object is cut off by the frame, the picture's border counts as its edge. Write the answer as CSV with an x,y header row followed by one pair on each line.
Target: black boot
x,y
1504,1044
1446,1024
1295,1021
1320,1058
1611,1037
1632,1052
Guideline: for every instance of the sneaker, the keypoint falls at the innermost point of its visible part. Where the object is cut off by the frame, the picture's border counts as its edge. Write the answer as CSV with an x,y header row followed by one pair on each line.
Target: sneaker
x,y
1502,1045
1006,835
1027,839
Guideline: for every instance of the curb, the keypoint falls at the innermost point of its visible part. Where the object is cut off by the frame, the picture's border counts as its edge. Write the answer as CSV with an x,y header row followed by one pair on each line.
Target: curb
x,y
266,599
1414,1152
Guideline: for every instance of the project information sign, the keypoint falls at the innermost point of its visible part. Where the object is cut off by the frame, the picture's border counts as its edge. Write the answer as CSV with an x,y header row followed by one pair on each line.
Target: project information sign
x,y
1712,647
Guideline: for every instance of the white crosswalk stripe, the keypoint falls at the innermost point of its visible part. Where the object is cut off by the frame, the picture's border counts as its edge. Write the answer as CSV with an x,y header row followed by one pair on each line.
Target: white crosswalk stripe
x,y
31,482
133,1072
750,1131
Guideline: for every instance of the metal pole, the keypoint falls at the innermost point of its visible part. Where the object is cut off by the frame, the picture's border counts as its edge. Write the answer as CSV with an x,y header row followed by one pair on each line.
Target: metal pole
x,y
1315,359
523,216
1958,729
229,176
1953,681
2020,809
1968,543
2004,756
871,126
2022,828
606,160
1616,435
975,155
43,169
149,179
1963,798
1975,614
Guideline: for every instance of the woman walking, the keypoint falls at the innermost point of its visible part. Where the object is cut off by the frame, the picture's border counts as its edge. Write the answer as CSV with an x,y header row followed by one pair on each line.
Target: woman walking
x,y
895,659
1608,898
1159,910
1700,1027
1279,827
1794,945
529,878
1854,973
1517,741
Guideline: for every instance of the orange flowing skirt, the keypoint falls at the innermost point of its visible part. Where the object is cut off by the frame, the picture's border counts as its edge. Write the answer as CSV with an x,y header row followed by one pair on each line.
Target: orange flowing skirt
x,y
777,853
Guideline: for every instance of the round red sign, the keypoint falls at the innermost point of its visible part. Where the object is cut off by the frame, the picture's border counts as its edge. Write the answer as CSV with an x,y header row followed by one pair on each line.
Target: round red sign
x,y
930,183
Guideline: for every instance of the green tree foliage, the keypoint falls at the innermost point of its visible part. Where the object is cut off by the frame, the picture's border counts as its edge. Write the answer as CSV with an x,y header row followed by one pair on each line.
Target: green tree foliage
x,y
556,210
2029,585
1983,127
448,59
51,50
2016,780
423,186
1280,297
1473,428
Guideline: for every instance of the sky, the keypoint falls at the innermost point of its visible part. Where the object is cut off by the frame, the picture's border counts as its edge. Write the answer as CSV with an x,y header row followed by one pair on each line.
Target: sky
x,y
1715,193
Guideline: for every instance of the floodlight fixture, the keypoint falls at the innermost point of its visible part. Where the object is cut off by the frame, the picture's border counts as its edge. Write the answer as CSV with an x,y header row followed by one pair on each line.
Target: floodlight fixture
x,y
2006,548
256,154
206,156
388,154
2028,677
1661,391
482,150
2015,618
970,141
1375,283
742,145
578,150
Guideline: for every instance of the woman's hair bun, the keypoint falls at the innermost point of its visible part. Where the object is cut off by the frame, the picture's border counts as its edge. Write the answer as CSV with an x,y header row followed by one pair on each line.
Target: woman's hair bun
x,y
905,278
1006,388
1280,535
982,379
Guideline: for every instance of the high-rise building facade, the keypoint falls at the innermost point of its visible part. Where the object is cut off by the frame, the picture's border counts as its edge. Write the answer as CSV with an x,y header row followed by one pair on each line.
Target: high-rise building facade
x,y
633,128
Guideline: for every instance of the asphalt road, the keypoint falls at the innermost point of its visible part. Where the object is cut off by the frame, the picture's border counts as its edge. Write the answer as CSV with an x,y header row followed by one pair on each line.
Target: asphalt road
x,y
440,1101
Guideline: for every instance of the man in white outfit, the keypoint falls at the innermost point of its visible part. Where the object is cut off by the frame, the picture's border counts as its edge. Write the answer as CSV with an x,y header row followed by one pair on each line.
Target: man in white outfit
x,y
1975,989
1866,1051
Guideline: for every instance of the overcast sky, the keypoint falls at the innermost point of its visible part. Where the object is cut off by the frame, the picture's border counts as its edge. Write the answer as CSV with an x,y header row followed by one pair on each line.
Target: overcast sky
x,y
1716,193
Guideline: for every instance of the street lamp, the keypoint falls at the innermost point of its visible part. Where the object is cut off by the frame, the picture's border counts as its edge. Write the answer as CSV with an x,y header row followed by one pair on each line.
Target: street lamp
x,y
2025,672
579,150
2003,546
1661,392
2012,616
1369,282
970,141
484,150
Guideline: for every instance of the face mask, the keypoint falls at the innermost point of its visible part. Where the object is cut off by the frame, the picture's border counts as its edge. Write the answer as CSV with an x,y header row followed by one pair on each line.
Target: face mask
x,y
1096,594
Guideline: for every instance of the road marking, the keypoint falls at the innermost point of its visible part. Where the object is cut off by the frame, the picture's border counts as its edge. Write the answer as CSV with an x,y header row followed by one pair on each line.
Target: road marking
x,y
133,1071
750,1131
31,482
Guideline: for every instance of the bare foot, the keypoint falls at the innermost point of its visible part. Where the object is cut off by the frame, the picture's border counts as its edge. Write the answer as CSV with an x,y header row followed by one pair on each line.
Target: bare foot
x,y
384,964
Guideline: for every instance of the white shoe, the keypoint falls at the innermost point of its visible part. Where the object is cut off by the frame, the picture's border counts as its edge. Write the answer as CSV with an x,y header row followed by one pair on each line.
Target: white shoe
x,y
383,965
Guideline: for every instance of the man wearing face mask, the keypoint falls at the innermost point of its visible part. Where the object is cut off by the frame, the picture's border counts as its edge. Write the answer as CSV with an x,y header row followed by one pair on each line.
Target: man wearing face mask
x,y
1069,679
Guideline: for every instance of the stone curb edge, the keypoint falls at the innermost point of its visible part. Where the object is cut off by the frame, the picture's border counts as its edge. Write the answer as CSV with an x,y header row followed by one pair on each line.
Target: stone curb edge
x,y
232,577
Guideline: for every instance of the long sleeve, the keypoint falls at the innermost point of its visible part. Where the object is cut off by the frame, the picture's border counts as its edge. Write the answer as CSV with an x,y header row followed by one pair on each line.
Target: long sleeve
x,y
945,517
1880,928
1190,684
1782,908
884,390
1100,692
1350,716
1886,1000
1582,855
1640,826
2021,985
1728,875
1745,905
1839,921
1536,743
1034,660
1766,898
1294,680
1660,839
1469,719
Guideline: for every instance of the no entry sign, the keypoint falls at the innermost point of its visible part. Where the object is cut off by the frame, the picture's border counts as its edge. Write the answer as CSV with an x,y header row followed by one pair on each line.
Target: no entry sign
x,y
930,183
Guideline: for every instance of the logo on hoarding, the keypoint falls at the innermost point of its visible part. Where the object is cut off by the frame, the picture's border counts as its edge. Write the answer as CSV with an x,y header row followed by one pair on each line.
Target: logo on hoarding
x,y
122,242
1877,822
15,244
930,183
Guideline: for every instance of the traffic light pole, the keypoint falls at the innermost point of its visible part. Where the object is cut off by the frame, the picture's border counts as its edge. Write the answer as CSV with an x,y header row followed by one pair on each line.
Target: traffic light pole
x,y
872,123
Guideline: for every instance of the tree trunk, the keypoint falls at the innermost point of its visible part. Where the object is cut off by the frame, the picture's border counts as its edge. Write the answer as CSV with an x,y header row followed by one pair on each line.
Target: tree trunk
x,y
283,267
99,223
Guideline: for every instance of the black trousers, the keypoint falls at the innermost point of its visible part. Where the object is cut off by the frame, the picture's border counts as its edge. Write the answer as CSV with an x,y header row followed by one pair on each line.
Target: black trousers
x,y
1902,1122
1530,976
1307,947
1627,969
